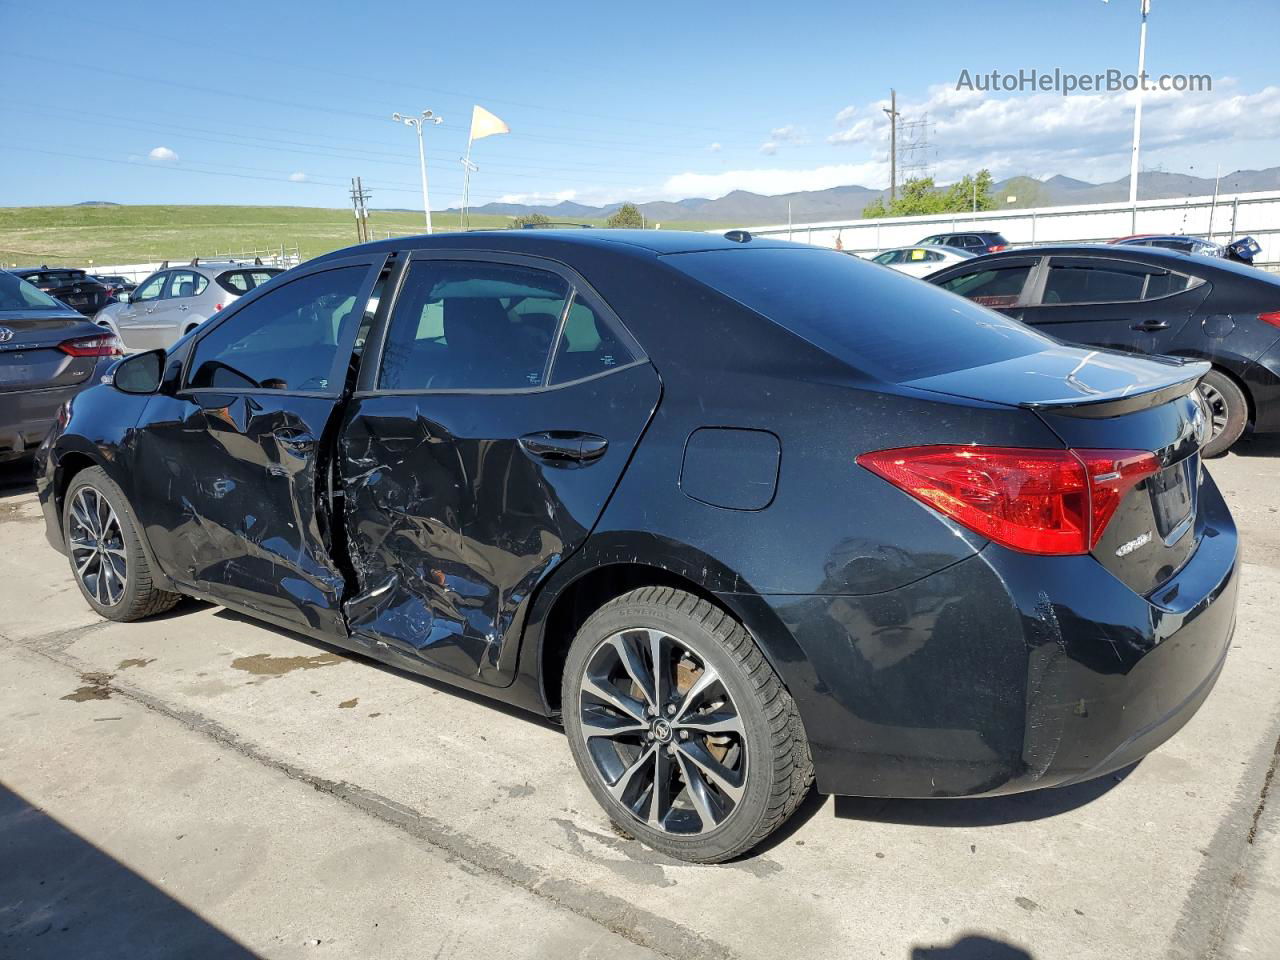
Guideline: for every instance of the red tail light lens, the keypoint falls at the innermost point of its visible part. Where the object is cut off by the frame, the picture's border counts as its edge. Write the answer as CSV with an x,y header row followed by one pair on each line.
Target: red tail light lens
x,y
1048,502
1272,318
106,345
217,307
995,248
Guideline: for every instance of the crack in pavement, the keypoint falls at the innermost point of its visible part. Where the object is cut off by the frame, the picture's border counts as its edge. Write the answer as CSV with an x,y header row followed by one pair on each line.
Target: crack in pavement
x,y
1202,925
625,919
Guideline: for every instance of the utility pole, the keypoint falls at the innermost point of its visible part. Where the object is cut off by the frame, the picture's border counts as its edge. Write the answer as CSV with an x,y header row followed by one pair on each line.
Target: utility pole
x,y
358,203
893,144
417,122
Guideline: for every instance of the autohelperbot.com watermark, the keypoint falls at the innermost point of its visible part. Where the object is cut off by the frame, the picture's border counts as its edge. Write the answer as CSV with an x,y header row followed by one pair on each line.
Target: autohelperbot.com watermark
x,y
1057,80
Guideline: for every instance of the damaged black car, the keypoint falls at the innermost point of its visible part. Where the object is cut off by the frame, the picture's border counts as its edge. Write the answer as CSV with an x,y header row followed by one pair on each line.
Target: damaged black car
x,y
742,514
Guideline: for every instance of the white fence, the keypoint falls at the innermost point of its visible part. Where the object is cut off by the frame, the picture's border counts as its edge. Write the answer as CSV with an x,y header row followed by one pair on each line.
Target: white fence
x,y
1231,216
137,272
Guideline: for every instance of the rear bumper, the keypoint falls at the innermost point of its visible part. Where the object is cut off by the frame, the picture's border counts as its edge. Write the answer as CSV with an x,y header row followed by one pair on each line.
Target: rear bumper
x,y
26,416
1005,673
1262,377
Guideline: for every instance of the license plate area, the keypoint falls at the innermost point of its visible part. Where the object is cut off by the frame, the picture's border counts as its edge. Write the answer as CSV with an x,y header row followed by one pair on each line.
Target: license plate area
x,y
1173,497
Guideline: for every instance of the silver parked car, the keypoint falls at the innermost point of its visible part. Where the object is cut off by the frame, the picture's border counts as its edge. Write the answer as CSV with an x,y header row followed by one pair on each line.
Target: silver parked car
x,y
175,300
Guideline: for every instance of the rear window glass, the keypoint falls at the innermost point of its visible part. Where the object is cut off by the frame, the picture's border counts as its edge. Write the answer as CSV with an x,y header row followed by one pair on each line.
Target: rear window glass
x,y
888,324
994,287
1094,284
16,294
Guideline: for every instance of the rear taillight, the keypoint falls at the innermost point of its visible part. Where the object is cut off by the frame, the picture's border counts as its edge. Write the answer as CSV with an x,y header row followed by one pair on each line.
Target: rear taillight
x,y
1049,502
1272,318
104,345
995,248
217,307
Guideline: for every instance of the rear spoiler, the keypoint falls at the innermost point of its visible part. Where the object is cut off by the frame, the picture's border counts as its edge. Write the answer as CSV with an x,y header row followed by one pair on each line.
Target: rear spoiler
x,y
1182,378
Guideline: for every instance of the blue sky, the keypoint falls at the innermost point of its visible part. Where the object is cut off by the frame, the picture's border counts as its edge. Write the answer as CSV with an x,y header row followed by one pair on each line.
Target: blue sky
x,y
233,102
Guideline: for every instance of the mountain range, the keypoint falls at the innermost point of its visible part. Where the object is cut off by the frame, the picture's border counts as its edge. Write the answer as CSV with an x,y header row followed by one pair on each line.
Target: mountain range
x,y
836,203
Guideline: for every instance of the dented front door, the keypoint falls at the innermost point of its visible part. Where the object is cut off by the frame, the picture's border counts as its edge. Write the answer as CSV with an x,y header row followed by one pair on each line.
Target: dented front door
x,y
232,466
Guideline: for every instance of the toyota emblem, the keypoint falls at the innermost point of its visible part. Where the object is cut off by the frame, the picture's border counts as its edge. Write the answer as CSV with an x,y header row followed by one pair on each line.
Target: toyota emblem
x,y
5,334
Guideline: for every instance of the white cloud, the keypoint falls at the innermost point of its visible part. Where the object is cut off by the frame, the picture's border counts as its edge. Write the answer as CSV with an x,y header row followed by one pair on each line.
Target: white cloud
x,y
714,148
163,155
769,148
538,199
788,134
1082,135
299,177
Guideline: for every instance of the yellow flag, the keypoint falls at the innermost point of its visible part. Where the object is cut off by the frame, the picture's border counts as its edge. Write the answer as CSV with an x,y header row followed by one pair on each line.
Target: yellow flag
x,y
485,124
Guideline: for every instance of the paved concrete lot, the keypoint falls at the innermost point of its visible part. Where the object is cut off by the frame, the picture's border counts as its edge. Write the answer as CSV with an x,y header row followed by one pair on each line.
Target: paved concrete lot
x,y
203,785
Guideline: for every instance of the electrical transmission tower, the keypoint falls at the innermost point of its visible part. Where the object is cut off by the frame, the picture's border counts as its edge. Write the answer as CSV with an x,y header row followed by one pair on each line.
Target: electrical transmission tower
x,y
915,152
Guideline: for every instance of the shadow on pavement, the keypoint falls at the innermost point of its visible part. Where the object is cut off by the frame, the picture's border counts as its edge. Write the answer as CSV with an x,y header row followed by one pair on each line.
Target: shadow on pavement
x,y
979,811
972,946
16,478
1256,445
61,896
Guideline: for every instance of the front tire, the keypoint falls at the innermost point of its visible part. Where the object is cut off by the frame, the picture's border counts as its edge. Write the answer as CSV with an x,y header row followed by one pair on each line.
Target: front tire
x,y
107,558
680,727
1228,411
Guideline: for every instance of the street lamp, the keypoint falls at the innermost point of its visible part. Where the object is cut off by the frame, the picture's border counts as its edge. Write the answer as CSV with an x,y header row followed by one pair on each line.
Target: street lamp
x,y
1144,7
417,122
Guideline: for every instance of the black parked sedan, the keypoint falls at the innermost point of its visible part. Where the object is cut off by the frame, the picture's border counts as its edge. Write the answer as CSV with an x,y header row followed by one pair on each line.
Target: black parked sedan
x,y
738,512
75,288
1149,301
48,353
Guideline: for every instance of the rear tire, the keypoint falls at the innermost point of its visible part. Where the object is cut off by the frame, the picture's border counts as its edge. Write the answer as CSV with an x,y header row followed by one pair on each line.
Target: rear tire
x,y
107,558
1227,409
713,725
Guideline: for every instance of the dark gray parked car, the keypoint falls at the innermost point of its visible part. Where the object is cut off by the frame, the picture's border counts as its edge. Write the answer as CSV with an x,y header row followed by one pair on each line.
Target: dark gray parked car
x,y
48,353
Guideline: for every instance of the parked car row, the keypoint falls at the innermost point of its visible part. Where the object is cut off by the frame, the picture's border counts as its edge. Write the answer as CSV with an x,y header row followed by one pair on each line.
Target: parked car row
x,y
741,514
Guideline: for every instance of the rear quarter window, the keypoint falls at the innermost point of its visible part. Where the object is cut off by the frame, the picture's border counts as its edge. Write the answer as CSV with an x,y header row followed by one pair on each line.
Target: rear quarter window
x,y
884,323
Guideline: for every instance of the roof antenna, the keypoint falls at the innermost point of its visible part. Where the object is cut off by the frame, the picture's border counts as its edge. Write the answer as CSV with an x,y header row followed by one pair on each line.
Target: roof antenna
x,y
738,236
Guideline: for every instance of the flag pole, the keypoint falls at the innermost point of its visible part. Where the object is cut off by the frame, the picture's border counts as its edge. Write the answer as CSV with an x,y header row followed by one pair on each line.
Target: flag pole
x,y
466,184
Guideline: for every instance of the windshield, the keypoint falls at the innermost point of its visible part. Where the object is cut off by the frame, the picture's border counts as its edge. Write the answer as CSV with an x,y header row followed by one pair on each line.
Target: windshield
x,y
17,294
885,323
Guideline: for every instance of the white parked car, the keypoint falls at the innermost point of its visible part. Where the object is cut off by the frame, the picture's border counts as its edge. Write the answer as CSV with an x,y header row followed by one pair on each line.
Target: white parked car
x,y
921,259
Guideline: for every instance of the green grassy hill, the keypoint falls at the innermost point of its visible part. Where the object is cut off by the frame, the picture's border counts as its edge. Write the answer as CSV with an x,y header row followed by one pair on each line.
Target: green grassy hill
x,y
79,235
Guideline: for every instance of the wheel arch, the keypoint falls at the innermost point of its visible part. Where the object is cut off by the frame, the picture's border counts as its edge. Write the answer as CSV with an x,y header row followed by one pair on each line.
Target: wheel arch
x,y
599,575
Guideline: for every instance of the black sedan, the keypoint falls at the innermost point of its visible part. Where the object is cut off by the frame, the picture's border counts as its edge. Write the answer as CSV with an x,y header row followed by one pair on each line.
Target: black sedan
x,y
75,288
740,513
48,353
1150,301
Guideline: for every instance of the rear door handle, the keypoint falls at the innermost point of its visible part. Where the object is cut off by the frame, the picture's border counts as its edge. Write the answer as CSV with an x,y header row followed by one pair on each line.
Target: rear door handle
x,y
564,447
1150,326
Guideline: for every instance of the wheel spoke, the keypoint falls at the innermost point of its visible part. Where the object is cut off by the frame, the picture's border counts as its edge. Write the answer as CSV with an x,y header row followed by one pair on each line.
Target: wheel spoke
x,y
633,662
660,796
619,788
660,654
599,723
603,690
695,693
83,565
715,723
727,781
699,794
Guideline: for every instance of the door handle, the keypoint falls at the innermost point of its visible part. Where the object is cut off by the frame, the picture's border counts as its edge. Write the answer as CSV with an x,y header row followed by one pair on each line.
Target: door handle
x,y
564,447
182,306
1150,326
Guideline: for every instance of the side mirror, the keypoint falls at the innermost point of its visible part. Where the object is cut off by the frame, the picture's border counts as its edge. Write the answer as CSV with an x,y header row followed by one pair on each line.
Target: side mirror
x,y
139,374
123,296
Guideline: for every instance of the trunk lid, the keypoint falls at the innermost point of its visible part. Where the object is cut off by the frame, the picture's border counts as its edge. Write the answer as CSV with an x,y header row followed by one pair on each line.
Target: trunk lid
x,y
29,354
1101,400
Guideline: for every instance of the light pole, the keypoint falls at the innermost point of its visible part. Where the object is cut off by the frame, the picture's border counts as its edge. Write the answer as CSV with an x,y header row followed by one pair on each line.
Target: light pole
x,y
417,122
1145,7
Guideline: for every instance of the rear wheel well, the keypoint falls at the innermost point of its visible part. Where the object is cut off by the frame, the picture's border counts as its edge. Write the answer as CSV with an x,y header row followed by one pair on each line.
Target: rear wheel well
x,y
588,594
1244,389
